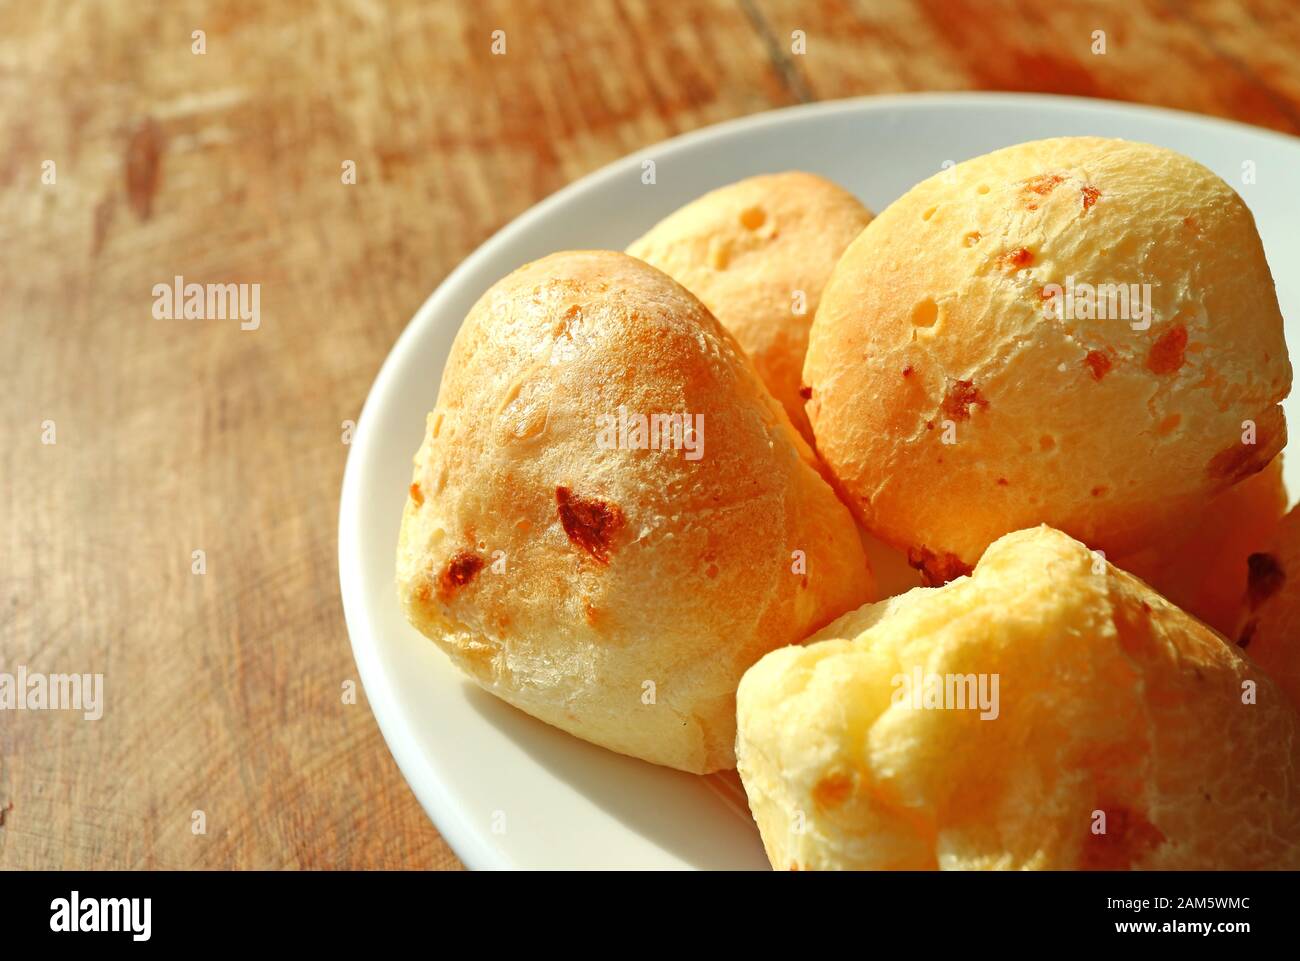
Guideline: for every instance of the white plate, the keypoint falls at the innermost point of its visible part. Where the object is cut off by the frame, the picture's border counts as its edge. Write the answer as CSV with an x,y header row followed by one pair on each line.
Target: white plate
x,y
506,790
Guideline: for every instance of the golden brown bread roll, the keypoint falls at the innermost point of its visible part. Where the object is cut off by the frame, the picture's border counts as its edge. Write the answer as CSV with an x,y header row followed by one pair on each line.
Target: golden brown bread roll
x,y
960,390
616,584
1202,567
758,253
1270,634
1050,711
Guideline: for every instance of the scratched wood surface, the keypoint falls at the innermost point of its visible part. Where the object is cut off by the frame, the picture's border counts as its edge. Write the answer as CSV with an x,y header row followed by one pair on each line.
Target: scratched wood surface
x,y
223,690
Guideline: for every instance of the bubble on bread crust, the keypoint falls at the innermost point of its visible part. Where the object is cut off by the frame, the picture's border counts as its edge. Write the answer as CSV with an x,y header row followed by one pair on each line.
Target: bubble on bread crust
x,y
1264,578
1169,352
417,495
751,218
524,413
461,569
1128,837
805,392
590,524
930,212
960,397
982,189
1090,195
925,313
972,238
936,569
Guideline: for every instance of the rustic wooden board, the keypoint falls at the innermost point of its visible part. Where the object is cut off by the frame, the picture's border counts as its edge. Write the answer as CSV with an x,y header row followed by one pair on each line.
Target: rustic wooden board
x,y
223,691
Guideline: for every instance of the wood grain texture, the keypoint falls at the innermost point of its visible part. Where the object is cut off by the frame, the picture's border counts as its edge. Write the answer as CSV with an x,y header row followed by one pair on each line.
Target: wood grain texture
x,y
223,690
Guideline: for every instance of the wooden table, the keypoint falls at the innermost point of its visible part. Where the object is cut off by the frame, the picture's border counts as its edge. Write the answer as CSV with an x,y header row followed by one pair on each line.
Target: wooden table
x,y
224,690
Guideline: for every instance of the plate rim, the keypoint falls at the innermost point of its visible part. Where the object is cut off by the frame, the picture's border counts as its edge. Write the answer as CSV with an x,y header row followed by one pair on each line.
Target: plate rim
x,y
421,773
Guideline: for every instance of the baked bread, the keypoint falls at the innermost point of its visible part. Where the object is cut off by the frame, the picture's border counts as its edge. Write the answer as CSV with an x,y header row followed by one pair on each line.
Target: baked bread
x,y
960,391
758,253
616,584
1121,733
1202,567
1270,632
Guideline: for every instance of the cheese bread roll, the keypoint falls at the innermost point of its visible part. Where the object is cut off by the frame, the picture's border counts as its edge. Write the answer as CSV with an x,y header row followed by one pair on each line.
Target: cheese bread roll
x,y
1080,332
1048,712
758,253
610,518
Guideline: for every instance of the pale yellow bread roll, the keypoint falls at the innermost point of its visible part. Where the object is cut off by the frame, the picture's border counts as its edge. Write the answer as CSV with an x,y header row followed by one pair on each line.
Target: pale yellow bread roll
x,y
958,395
1202,567
1270,632
615,591
1109,702
758,253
